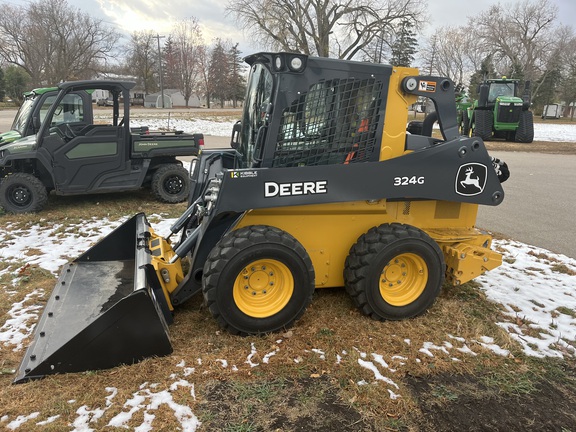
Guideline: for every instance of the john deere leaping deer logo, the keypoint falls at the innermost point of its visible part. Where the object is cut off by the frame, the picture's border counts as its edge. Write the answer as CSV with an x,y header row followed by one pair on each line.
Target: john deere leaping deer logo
x,y
471,179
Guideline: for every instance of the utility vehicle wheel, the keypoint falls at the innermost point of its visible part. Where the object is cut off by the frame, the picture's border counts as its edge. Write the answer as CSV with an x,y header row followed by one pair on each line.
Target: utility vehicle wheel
x,y
394,271
465,124
483,122
257,279
171,183
525,131
22,193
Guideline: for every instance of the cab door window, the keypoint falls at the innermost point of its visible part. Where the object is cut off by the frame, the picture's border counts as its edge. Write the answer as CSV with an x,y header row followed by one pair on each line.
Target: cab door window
x,y
69,110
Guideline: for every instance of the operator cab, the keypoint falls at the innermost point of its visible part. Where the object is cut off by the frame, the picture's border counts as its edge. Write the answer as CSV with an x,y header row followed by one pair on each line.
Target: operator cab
x,y
320,119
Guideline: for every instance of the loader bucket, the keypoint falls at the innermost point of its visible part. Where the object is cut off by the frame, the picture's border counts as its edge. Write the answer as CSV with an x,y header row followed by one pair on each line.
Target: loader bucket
x,y
106,310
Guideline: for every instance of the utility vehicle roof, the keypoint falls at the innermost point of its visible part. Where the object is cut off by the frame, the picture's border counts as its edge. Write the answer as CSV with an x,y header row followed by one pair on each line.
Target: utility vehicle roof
x,y
98,84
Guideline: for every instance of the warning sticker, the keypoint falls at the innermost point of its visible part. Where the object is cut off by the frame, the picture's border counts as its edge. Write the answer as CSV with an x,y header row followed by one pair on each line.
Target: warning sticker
x,y
427,86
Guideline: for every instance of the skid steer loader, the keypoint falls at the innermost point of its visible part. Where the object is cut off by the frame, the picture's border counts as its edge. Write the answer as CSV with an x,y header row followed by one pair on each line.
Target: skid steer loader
x,y
322,187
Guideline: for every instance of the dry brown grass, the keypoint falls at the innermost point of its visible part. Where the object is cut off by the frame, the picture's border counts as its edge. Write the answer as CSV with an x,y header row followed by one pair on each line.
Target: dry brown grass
x,y
255,395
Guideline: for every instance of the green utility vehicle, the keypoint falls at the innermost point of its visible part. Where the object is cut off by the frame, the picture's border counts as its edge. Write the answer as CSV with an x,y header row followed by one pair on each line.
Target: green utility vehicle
x,y
499,112
60,148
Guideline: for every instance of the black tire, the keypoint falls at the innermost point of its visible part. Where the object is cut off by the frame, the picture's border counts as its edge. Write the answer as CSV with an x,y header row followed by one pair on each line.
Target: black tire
x,y
483,123
465,124
258,279
394,272
525,131
171,184
22,193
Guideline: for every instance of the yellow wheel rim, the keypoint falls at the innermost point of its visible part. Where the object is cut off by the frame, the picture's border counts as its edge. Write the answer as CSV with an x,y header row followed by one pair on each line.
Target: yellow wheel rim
x,y
263,288
403,279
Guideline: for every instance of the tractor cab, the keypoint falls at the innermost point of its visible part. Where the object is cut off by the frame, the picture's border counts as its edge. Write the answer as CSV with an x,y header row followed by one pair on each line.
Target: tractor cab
x,y
501,89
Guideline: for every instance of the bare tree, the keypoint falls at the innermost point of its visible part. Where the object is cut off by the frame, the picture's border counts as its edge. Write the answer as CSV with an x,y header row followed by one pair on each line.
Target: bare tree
x,y
453,52
204,84
52,41
142,60
519,35
188,43
568,73
327,28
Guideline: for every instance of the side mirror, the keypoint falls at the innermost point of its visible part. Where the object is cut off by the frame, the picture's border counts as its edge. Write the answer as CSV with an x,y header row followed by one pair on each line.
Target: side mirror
x,y
526,96
234,142
36,123
483,95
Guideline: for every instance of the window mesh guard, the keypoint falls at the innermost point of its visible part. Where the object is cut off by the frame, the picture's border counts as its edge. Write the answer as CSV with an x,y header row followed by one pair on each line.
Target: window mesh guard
x,y
335,122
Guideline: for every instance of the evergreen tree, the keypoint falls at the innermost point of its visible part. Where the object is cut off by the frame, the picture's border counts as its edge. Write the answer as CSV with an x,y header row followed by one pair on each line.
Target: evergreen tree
x,y
16,81
486,71
405,44
237,81
219,73
170,64
548,88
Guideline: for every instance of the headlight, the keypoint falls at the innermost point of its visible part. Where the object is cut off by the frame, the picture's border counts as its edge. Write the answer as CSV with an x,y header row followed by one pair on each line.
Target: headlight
x,y
296,64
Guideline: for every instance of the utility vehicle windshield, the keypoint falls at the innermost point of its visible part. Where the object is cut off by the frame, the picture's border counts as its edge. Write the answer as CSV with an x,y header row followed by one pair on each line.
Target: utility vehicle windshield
x,y
24,114
70,110
256,110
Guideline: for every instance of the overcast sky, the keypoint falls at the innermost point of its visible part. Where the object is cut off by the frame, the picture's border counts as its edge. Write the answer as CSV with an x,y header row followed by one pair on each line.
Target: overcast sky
x,y
159,15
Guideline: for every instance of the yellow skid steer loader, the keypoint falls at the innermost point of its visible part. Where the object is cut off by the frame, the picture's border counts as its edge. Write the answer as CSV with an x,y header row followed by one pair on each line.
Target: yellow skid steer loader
x,y
322,187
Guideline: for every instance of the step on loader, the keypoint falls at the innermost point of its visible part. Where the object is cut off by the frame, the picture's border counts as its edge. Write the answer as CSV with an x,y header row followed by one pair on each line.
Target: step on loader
x,y
322,187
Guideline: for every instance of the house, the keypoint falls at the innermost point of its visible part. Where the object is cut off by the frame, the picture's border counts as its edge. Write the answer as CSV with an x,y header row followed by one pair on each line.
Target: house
x,y
172,98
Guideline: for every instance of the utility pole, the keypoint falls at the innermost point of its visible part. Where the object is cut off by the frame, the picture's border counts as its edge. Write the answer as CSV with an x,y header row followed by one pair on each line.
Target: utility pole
x,y
158,37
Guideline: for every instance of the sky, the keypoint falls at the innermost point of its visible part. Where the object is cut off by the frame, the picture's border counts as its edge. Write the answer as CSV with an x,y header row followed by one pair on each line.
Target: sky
x,y
128,16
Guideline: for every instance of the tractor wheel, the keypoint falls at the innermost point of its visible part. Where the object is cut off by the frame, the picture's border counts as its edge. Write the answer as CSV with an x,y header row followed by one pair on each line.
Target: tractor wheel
x,y
258,279
465,124
22,193
525,131
483,122
394,271
171,183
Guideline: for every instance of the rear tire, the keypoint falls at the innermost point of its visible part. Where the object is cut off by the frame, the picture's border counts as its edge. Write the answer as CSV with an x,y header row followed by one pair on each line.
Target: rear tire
x,y
525,131
258,279
22,193
483,123
171,184
394,272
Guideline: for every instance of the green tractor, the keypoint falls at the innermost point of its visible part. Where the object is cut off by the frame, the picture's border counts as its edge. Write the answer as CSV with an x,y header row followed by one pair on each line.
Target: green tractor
x,y
499,112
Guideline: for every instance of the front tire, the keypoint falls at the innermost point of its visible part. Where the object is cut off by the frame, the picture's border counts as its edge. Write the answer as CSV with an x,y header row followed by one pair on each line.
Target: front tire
x,y
171,184
22,193
258,279
394,272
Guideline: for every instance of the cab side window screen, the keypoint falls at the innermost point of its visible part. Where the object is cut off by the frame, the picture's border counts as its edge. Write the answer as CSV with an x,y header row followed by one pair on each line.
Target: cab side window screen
x,y
333,123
